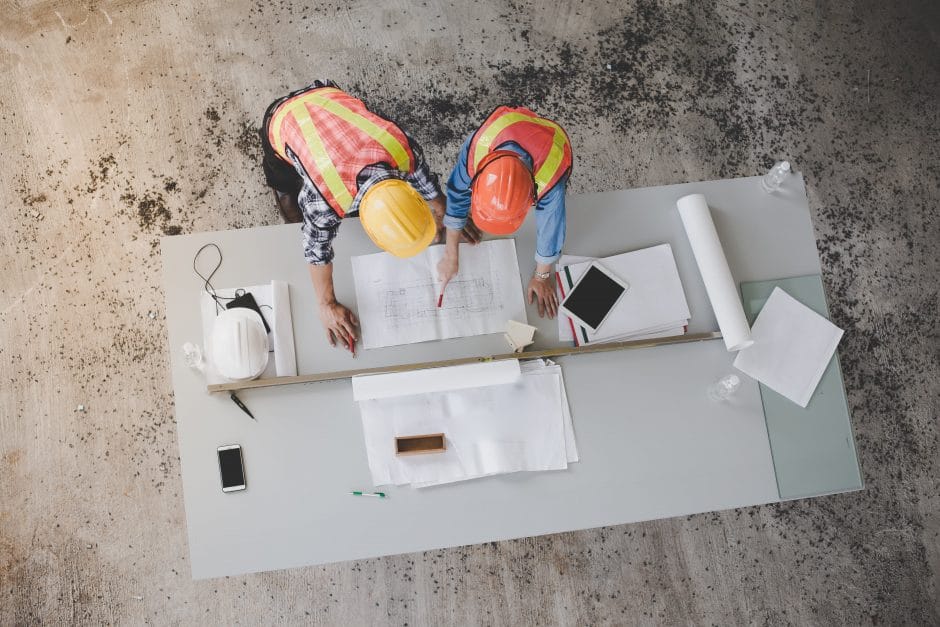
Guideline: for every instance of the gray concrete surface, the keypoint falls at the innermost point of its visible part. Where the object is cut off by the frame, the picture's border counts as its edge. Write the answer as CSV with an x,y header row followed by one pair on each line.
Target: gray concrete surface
x,y
122,120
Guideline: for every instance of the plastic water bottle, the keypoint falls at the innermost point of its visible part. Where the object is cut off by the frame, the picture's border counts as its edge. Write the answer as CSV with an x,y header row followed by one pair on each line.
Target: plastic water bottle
x,y
192,357
723,388
775,177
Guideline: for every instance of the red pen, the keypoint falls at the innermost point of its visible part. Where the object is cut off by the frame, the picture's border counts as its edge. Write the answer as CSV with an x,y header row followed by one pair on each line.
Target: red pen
x,y
440,299
351,346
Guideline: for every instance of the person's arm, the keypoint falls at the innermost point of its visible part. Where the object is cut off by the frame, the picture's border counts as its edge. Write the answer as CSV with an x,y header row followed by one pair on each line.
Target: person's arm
x,y
438,207
550,239
340,323
456,218
448,266
320,226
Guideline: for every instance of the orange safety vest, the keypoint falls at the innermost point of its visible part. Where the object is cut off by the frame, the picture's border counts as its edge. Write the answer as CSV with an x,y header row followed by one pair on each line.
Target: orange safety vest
x,y
334,137
545,141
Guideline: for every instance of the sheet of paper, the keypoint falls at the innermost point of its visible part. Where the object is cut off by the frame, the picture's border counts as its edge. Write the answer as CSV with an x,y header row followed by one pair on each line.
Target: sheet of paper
x,y
274,301
397,298
428,380
547,366
522,426
792,347
282,330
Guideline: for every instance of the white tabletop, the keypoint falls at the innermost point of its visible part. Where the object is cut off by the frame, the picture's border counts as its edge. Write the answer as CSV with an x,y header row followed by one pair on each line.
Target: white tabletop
x,y
652,445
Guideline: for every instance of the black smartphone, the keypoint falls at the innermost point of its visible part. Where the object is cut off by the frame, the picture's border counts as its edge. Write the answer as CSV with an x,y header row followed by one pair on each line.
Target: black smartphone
x,y
231,467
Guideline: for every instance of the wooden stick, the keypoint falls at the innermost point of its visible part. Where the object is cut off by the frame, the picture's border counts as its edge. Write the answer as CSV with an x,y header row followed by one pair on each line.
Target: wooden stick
x,y
547,353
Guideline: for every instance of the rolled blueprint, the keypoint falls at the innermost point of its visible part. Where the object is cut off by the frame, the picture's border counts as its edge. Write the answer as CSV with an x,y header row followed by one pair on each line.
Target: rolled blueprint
x,y
713,266
429,380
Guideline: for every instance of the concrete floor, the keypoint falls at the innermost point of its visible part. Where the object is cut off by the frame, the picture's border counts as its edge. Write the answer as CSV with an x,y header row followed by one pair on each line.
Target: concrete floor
x,y
123,120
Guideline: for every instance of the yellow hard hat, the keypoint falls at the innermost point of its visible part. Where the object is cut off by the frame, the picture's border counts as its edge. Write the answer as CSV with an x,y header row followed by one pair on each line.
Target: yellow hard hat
x,y
397,218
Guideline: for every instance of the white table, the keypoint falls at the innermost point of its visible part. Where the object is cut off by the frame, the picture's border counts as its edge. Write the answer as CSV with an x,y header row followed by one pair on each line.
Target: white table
x,y
651,443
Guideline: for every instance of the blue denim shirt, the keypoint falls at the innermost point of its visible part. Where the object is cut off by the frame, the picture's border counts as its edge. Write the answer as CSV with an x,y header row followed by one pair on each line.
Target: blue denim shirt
x,y
549,212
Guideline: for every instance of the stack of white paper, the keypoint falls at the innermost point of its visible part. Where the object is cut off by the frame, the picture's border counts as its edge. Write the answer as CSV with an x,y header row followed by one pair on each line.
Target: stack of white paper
x,y
654,305
792,347
516,419
274,301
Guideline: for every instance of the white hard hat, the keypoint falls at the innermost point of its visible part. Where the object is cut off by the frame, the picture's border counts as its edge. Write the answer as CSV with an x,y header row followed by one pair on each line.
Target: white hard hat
x,y
239,344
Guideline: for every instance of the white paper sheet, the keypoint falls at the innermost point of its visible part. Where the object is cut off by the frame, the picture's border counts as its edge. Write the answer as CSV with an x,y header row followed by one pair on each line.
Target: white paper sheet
x,y
547,366
522,426
654,303
792,347
710,258
397,298
274,301
282,330
429,380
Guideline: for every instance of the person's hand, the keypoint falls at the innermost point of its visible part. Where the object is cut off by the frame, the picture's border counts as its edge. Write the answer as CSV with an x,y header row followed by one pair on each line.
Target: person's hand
x,y
438,207
543,291
340,324
447,269
471,234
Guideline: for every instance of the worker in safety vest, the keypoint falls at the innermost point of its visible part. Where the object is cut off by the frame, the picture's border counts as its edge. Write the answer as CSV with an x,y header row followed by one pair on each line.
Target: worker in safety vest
x,y
328,157
514,160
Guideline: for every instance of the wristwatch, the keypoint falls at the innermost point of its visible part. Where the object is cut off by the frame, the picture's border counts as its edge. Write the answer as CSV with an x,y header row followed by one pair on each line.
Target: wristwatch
x,y
542,275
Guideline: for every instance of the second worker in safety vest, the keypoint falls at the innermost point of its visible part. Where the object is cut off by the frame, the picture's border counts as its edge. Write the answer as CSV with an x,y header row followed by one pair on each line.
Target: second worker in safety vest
x,y
328,157
514,160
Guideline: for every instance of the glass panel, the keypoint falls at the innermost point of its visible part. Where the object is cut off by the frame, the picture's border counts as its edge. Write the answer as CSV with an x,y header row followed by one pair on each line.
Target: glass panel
x,y
813,449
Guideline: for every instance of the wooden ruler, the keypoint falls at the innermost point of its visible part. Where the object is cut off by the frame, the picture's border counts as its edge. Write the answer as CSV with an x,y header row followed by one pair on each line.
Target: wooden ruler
x,y
547,353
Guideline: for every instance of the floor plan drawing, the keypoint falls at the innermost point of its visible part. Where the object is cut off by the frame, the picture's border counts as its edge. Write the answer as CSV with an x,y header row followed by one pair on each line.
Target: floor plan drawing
x,y
465,296
398,298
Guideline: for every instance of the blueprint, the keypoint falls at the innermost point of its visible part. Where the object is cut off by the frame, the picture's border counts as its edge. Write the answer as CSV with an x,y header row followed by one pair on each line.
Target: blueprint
x,y
398,298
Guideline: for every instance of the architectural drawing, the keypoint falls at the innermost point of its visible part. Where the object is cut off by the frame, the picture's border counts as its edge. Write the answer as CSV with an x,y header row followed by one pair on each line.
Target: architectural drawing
x,y
464,297
397,298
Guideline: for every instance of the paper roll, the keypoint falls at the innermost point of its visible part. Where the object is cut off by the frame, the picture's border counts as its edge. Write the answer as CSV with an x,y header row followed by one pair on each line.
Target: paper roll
x,y
716,275
429,380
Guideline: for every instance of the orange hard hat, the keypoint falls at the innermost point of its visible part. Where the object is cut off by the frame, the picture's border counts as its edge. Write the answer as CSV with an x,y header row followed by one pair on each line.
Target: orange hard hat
x,y
397,218
501,192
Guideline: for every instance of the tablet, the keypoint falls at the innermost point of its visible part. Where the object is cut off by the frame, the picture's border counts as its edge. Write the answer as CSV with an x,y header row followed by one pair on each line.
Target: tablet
x,y
593,297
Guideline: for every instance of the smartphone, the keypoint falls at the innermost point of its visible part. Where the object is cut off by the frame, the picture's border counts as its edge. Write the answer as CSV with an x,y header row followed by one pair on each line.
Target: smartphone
x,y
593,297
231,467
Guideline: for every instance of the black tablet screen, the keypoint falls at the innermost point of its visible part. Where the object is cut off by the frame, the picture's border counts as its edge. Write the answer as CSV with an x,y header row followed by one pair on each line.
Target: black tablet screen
x,y
593,297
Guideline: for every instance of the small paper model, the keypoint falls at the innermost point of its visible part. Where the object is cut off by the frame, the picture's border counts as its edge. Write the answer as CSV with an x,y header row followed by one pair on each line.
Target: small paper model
x,y
519,335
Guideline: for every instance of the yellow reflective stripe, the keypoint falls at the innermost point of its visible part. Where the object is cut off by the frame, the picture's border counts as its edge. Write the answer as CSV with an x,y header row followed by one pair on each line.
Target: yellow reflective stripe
x,y
494,129
555,154
367,126
276,123
321,157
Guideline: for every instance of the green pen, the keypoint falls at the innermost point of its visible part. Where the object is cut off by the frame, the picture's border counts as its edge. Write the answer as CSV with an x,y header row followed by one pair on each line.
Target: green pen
x,y
378,495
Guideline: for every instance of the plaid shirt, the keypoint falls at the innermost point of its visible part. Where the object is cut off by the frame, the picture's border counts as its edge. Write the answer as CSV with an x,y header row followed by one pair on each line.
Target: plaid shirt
x,y
321,222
